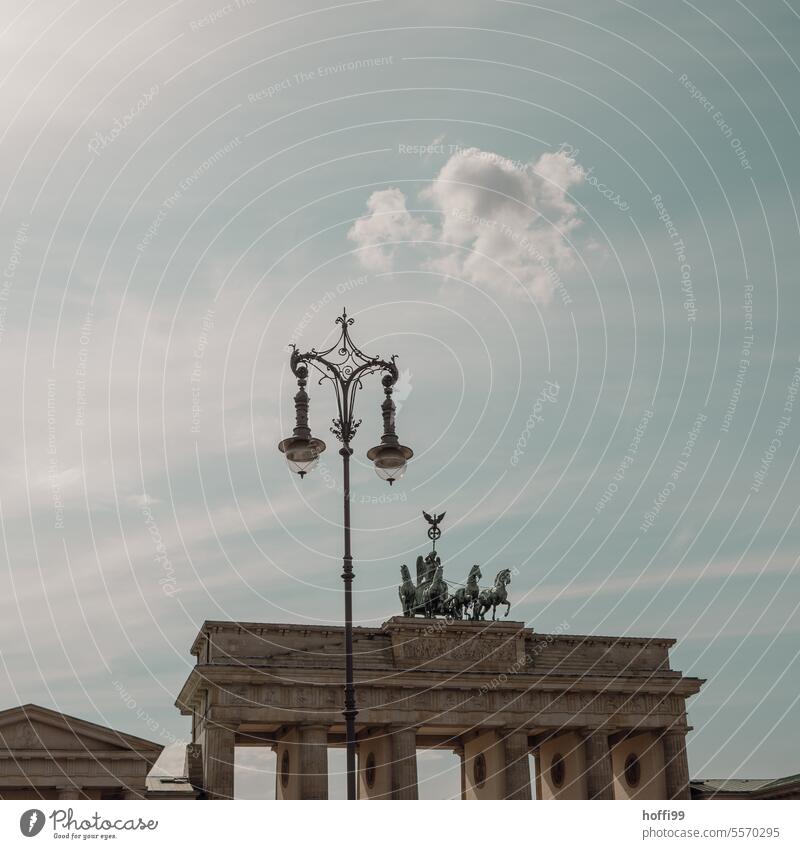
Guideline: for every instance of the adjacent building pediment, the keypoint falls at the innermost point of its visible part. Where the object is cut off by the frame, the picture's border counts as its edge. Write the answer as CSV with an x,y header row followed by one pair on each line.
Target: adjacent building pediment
x,y
31,727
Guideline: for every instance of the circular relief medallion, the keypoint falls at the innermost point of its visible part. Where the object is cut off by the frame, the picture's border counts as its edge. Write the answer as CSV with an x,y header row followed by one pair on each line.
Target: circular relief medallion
x,y
633,770
285,769
369,770
558,770
479,770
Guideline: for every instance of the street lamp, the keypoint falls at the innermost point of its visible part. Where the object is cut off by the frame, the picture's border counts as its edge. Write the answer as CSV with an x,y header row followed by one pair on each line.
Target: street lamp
x,y
390,457
345,366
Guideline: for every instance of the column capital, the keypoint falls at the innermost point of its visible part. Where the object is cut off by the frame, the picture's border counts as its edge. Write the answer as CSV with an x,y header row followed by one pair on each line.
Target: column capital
x,y
372,732
210,722
68,791
588,731
394,727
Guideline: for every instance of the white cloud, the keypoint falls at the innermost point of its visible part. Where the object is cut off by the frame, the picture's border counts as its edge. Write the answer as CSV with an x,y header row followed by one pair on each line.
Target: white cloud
x,y
500,221
388,221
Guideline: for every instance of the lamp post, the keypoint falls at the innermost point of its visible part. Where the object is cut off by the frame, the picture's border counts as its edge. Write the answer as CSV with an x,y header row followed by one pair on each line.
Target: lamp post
x,y
345,366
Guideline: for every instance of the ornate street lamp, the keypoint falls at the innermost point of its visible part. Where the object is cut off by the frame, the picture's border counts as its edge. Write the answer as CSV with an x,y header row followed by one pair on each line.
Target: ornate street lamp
x,y
345,366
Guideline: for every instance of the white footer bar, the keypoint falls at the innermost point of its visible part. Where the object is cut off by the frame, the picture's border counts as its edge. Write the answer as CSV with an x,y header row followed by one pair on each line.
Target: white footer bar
x,y
386,825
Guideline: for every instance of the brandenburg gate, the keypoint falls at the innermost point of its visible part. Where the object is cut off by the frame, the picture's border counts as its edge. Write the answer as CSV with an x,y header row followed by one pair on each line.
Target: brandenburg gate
x,y
605,717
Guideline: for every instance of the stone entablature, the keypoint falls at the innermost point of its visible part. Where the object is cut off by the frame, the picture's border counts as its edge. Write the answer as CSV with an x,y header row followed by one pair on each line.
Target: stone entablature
x,y
447,684
311,646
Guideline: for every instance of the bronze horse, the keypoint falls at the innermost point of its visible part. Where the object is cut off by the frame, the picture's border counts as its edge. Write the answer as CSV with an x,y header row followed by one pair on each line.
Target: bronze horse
x,y
493,597
434,595
463,597
407,592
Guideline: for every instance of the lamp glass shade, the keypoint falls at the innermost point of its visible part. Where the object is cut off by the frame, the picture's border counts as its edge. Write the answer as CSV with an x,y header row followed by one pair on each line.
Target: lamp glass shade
x,y
302,468
302,455
390,474
390,461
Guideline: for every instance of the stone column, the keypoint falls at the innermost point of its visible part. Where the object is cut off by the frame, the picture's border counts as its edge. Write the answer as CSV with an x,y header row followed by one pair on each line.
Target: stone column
x,y
517,769
538,768
676,765
313,761
404,763
218,753
193,765
463,771
599,773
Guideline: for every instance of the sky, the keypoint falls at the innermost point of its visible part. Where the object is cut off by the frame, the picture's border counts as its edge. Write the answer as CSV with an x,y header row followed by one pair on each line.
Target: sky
x,y
573,222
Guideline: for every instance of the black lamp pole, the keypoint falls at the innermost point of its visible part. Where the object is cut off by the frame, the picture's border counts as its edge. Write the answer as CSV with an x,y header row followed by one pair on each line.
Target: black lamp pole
x,y
345,366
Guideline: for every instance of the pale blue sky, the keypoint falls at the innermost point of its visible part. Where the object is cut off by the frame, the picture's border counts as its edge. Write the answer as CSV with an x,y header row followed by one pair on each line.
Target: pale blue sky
x,y
180,185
